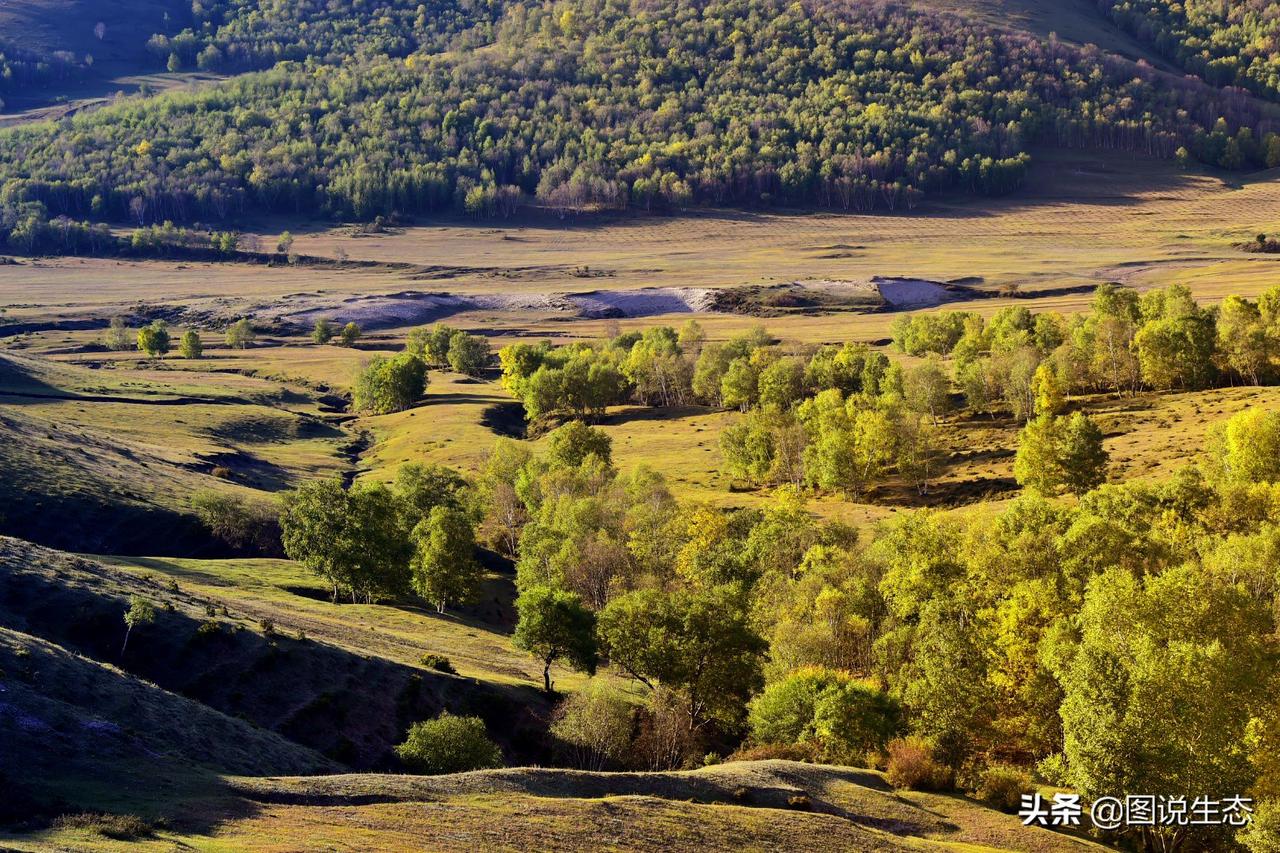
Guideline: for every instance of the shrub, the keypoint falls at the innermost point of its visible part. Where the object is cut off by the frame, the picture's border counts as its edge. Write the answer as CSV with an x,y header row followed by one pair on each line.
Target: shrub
x,y
1052,769
843,717
121,827
778,751
439,663
1002,787
251,526
596,725
913,767
449,744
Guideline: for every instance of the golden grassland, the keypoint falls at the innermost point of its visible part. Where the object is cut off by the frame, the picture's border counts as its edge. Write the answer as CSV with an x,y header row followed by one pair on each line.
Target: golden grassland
x,y
735,806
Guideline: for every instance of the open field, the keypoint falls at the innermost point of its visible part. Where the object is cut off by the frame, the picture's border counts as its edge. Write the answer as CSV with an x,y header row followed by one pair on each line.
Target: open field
x,y
736,806
1083,219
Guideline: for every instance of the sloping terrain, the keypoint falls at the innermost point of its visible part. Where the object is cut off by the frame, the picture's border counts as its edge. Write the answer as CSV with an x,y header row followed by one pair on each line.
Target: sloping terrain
x,y
764,805
108,460
340,700
84,734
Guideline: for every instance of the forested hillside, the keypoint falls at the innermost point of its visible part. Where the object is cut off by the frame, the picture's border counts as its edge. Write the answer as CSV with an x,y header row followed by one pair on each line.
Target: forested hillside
x,y
605,103
1227,42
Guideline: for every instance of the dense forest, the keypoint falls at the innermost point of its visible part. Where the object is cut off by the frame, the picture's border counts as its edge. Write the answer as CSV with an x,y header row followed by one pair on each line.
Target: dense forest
x,y
240,35
602,103
1226,42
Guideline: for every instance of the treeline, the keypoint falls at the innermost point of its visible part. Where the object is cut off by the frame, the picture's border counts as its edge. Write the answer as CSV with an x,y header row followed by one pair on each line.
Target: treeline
x,y
245,35
22,69
596,104
1225,42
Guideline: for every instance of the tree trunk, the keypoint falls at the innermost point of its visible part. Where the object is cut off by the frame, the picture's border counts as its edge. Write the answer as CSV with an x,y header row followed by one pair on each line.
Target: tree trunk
x,y
546,676
125,645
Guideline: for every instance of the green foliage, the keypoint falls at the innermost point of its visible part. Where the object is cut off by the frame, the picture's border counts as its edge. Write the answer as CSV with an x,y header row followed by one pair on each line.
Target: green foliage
x,y
322,332
241,523
554,625
350,334
443,569
844,718
468,354
431,344
595,723
154,339
570,445
1061,453
699,642
388,385
350,538
190,346
1159,693
240,334
1247,449
449,744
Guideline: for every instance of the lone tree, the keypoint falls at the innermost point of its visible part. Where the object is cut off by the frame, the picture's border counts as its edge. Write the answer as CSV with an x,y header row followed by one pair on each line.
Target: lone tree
x,y
189,345
443,569
240,334
154,339
350,334
140,612
554,624
118,334
322,332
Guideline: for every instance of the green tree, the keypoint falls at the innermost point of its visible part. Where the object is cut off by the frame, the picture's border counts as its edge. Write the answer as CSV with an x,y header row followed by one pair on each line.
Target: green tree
x,y
468,354
140,612
322,332
1247,449
240,334
781,384
154,339
570,445
738,388
350,334
1159,693
285,243
352,539
841,716
431,343
1050,399
555,625
596,722
443,569
388,385
449,744
699,642
1061,453
189,345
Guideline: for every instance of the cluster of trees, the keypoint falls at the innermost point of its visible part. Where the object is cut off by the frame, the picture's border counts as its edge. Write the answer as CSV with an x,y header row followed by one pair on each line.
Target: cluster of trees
x,y
1226,42
589,104
1122,643
443,346
374,542
1162,340
22,69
